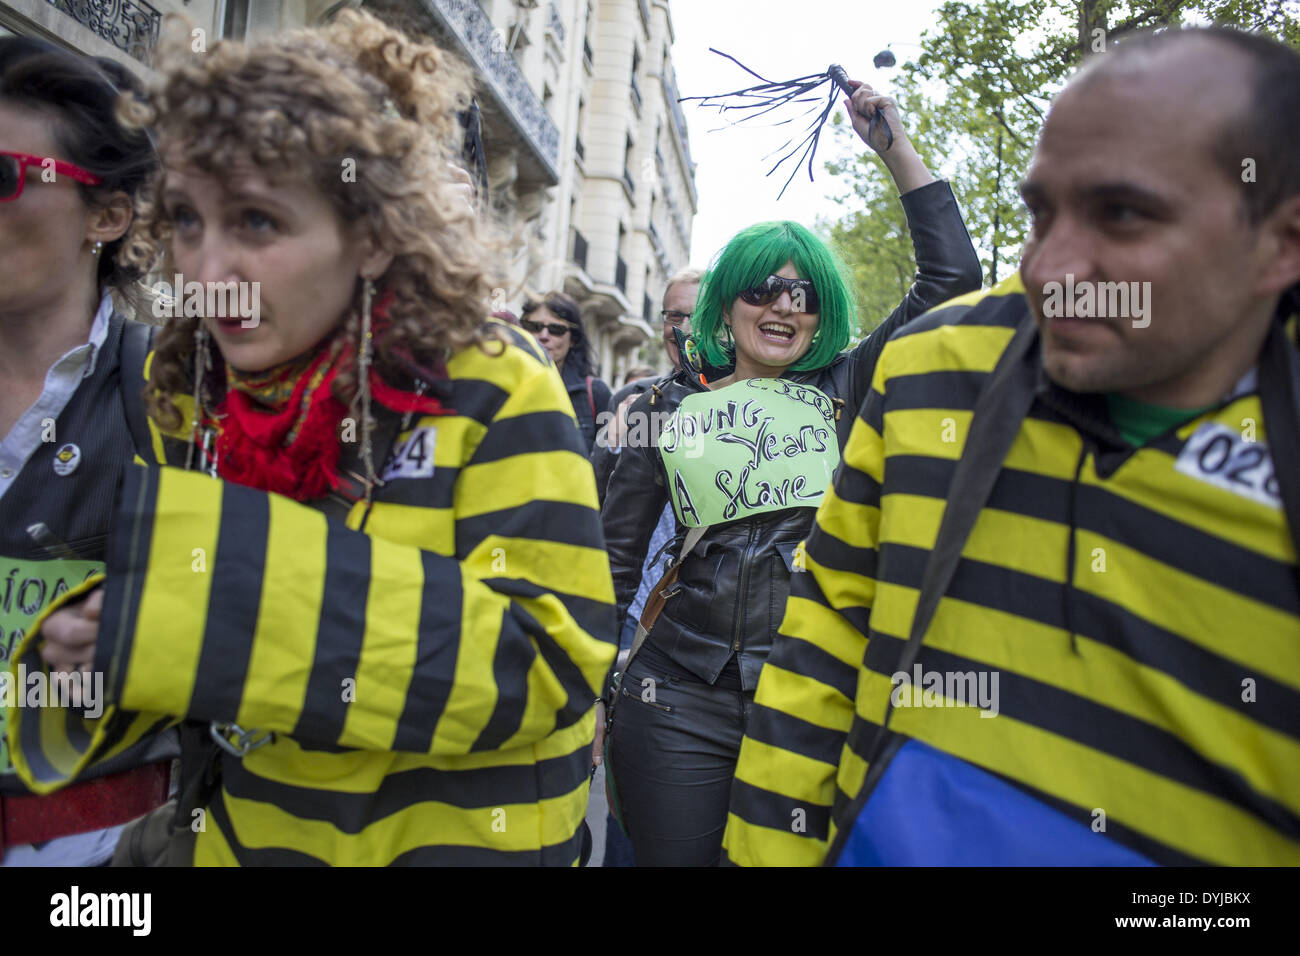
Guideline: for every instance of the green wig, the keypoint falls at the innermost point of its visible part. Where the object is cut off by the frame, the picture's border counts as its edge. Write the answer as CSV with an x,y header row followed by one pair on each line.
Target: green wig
x,y
750,257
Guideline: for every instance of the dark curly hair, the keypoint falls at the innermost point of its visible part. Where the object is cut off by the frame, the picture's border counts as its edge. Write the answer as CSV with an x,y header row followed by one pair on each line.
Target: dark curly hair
x,y
309,99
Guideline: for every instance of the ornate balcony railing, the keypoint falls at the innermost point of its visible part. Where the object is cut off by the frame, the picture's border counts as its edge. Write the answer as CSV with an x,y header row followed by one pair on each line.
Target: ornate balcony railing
x,y
471,28
130,25
554,23
679,118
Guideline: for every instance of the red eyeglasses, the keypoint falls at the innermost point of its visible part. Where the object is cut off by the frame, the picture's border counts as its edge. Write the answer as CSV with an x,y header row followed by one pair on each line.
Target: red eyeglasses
x,y
13,172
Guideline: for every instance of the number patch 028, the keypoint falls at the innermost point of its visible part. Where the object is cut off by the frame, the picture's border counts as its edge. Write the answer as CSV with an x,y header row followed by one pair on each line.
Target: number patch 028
x,y
413,458
1219,455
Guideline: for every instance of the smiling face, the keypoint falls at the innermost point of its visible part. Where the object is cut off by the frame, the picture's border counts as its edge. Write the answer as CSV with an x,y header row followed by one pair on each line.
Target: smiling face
x,y
1125,188
285,236
770,338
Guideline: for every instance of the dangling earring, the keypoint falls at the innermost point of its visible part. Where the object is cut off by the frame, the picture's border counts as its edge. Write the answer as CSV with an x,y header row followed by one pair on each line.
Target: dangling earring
x,y
99,247
363,383
202,365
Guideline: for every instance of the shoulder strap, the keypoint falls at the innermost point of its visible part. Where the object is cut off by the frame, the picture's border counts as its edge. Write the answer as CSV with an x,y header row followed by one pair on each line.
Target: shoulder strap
x,y
591,398
137,340
998,416
1279,375
657,595
999,413
352,488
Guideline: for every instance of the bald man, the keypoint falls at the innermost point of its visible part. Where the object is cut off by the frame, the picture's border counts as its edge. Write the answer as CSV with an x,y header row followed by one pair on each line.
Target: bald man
x,y
1051,610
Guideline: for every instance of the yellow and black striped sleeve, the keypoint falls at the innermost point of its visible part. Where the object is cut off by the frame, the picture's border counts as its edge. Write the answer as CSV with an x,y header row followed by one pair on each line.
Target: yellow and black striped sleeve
x,y
803,707
231,604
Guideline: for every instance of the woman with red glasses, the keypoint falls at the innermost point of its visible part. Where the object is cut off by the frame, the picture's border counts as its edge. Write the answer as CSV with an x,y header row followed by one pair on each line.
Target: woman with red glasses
x,y
69,173
557,322
742,441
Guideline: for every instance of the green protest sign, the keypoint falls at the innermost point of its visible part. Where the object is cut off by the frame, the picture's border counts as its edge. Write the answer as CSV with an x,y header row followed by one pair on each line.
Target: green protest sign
x,y
758,445
26,588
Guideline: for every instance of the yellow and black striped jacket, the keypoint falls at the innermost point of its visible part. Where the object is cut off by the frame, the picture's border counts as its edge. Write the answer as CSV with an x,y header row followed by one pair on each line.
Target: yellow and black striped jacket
x,y
429,680
1123,628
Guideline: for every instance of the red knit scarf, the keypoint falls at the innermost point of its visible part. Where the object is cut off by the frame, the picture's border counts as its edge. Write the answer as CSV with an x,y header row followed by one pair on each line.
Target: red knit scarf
x,y
292,447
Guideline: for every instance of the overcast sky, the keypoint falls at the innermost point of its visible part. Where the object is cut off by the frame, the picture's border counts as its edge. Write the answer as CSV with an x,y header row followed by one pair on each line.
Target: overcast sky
x,y
780,40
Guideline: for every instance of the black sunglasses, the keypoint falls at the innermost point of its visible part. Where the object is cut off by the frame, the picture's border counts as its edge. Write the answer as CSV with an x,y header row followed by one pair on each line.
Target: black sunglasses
x,y
555,328
803,294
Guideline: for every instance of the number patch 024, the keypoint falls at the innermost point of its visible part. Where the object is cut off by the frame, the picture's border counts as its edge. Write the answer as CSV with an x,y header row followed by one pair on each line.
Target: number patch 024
x,y
413,458
1219,455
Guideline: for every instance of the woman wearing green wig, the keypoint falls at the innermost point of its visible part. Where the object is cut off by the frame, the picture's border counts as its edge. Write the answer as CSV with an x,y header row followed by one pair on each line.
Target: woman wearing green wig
x,y
742,441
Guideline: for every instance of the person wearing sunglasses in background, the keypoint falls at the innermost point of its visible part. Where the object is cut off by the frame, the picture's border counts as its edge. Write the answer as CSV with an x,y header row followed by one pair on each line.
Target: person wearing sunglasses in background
x,y
773,314
557,322
68,175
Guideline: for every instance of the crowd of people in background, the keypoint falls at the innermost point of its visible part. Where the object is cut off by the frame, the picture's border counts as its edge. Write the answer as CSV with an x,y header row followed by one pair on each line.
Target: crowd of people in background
x,y
1010,579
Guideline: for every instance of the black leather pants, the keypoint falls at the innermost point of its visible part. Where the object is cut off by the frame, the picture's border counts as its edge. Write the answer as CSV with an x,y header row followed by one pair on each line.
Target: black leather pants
x,y
674,751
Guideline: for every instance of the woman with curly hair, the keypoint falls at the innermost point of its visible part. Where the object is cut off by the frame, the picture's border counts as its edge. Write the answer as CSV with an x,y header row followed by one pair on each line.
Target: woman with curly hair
x,y
557,322
384,626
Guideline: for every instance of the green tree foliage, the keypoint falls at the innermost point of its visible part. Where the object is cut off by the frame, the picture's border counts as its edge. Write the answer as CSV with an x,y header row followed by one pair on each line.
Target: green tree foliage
x,y
973,101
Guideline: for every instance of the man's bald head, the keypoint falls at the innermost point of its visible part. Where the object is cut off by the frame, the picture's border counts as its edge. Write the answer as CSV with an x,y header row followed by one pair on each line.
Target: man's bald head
x,y
1248,86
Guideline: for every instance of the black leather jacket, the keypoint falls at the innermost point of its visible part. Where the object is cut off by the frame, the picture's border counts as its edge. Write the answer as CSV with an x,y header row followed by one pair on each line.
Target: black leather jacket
x,y
735,582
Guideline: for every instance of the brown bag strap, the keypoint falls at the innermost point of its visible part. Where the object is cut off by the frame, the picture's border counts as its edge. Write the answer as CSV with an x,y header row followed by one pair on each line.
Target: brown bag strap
x,y
655,602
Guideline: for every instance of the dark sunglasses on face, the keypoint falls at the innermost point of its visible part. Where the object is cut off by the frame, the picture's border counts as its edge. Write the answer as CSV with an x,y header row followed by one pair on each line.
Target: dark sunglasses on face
x,y
13,172
555,328
803,294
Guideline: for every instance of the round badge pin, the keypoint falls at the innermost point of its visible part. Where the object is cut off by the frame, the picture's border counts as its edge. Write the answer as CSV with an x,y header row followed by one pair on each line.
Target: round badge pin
x,y
66,459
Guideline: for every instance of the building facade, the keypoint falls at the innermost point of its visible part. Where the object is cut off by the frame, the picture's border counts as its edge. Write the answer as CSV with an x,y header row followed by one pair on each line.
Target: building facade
x,y
589,165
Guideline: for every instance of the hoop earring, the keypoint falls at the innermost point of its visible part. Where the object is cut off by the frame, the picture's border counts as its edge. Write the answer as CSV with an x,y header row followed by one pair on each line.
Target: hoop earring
x,y
202,365
363,383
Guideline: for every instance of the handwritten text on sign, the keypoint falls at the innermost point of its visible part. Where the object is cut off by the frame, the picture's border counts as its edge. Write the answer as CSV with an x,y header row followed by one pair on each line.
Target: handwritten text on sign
x,y
755,446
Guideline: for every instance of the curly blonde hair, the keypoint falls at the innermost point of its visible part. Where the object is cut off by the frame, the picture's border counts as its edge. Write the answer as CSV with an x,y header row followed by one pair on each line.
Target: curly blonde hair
x,y
311,99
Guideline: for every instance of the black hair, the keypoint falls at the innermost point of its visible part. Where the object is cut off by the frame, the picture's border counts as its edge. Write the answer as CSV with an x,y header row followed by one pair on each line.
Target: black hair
x,y
566,307
81,94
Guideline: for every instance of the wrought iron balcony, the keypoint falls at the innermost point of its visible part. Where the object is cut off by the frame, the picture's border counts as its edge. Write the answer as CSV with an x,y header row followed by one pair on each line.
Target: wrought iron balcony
x,y
620,274
473,31
679,118
130,25
554,23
